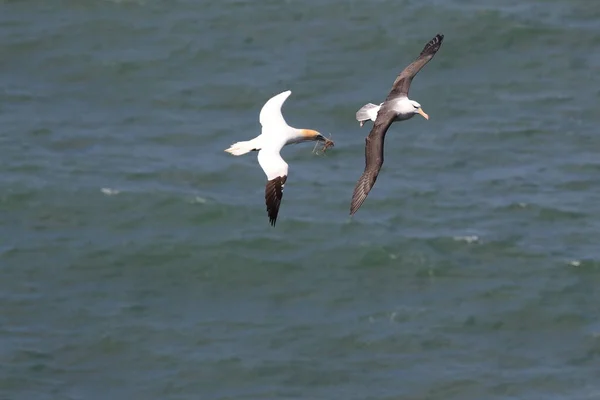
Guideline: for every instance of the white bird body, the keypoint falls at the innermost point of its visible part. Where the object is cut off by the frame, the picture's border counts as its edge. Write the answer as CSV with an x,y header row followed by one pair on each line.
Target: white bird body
x,y
403,106
276,134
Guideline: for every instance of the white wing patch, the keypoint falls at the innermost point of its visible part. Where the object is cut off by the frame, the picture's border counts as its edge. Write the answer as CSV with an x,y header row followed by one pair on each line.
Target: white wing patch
x,y
270,114
276,170
272,163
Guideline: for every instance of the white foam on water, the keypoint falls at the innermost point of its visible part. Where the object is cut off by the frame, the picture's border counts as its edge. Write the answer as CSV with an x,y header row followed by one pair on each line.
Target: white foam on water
x,y
109,191
198,200
468,239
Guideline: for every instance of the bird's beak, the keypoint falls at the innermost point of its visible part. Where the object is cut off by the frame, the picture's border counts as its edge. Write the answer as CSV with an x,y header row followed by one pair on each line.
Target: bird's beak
x,y
420,111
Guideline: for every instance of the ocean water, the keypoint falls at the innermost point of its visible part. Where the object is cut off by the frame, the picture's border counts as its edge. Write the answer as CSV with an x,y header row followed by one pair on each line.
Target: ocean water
x,y
136,257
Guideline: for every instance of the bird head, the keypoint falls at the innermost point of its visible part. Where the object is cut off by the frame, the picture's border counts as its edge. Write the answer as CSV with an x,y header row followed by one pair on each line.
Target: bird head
x,y
416,109
309,134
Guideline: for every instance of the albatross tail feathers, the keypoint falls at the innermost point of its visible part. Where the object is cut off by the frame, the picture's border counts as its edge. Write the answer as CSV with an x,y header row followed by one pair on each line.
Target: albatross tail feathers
x,y
367,112
239,148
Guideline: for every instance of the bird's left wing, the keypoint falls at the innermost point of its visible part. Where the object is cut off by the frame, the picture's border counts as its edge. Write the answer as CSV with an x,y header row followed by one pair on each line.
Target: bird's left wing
x,y
270,116
402,83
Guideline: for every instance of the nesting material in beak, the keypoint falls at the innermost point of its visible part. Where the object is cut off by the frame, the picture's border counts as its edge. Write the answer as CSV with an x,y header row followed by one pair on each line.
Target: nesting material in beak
x,y
327,143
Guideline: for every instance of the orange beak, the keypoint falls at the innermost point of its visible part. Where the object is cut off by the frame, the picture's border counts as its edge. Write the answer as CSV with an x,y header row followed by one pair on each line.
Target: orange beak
x,y
420,111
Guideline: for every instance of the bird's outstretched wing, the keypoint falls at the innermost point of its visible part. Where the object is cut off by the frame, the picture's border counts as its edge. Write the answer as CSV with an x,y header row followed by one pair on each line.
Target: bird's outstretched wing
x,y
273,196
276,170
270,116
373,158
402,83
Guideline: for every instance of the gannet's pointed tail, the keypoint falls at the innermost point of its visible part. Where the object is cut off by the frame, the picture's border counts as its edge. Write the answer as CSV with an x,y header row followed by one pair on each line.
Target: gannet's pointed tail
x,y
367,112
239,148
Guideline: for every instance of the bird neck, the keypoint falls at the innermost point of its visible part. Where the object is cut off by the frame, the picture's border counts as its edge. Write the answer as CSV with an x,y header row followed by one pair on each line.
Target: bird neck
x,y
299,136
403,106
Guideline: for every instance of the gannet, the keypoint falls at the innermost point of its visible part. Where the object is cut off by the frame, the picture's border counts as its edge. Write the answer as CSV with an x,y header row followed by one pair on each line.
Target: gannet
x,y
396,107
275,134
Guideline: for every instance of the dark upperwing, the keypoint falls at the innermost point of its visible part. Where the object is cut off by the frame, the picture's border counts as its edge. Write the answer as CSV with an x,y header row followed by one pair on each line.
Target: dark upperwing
x,y
402,83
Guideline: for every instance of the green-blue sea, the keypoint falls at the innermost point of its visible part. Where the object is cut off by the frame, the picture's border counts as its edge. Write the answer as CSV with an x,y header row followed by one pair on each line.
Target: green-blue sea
x,y
136,256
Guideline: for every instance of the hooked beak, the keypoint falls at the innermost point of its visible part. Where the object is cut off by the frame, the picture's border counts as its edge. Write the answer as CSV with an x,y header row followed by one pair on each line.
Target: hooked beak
x,y
420,111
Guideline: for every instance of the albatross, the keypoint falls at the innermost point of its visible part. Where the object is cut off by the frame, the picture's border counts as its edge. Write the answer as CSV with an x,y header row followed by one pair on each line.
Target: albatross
x,y
275,134
396,107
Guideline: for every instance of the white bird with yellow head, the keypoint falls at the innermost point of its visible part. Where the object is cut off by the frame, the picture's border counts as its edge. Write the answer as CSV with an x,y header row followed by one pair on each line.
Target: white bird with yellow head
x,y
276,134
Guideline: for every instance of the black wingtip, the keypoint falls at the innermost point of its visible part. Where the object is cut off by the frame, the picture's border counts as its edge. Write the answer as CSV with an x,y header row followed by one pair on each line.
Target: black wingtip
x,y
357,201
433,45
358,197
273,196
354,208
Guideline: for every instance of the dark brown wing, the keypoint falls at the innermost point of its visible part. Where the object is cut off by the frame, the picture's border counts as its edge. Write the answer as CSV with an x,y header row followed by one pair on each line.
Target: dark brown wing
x,y
373,158
273,196
402,83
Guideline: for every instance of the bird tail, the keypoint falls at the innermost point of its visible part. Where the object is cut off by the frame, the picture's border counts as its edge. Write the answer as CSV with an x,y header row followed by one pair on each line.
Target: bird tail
x,y
239,148
367,112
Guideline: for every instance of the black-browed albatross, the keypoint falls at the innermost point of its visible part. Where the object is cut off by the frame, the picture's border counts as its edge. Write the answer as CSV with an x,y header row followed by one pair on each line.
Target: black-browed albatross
x,y
396,107
275,134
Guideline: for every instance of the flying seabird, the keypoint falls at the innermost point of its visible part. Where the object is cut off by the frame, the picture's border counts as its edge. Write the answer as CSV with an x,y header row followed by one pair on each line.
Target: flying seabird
x,y
276,134
396,107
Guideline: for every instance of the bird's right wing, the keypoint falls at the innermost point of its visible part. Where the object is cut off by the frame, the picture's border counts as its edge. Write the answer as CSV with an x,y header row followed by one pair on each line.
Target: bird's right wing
x,y
373,158
276,170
